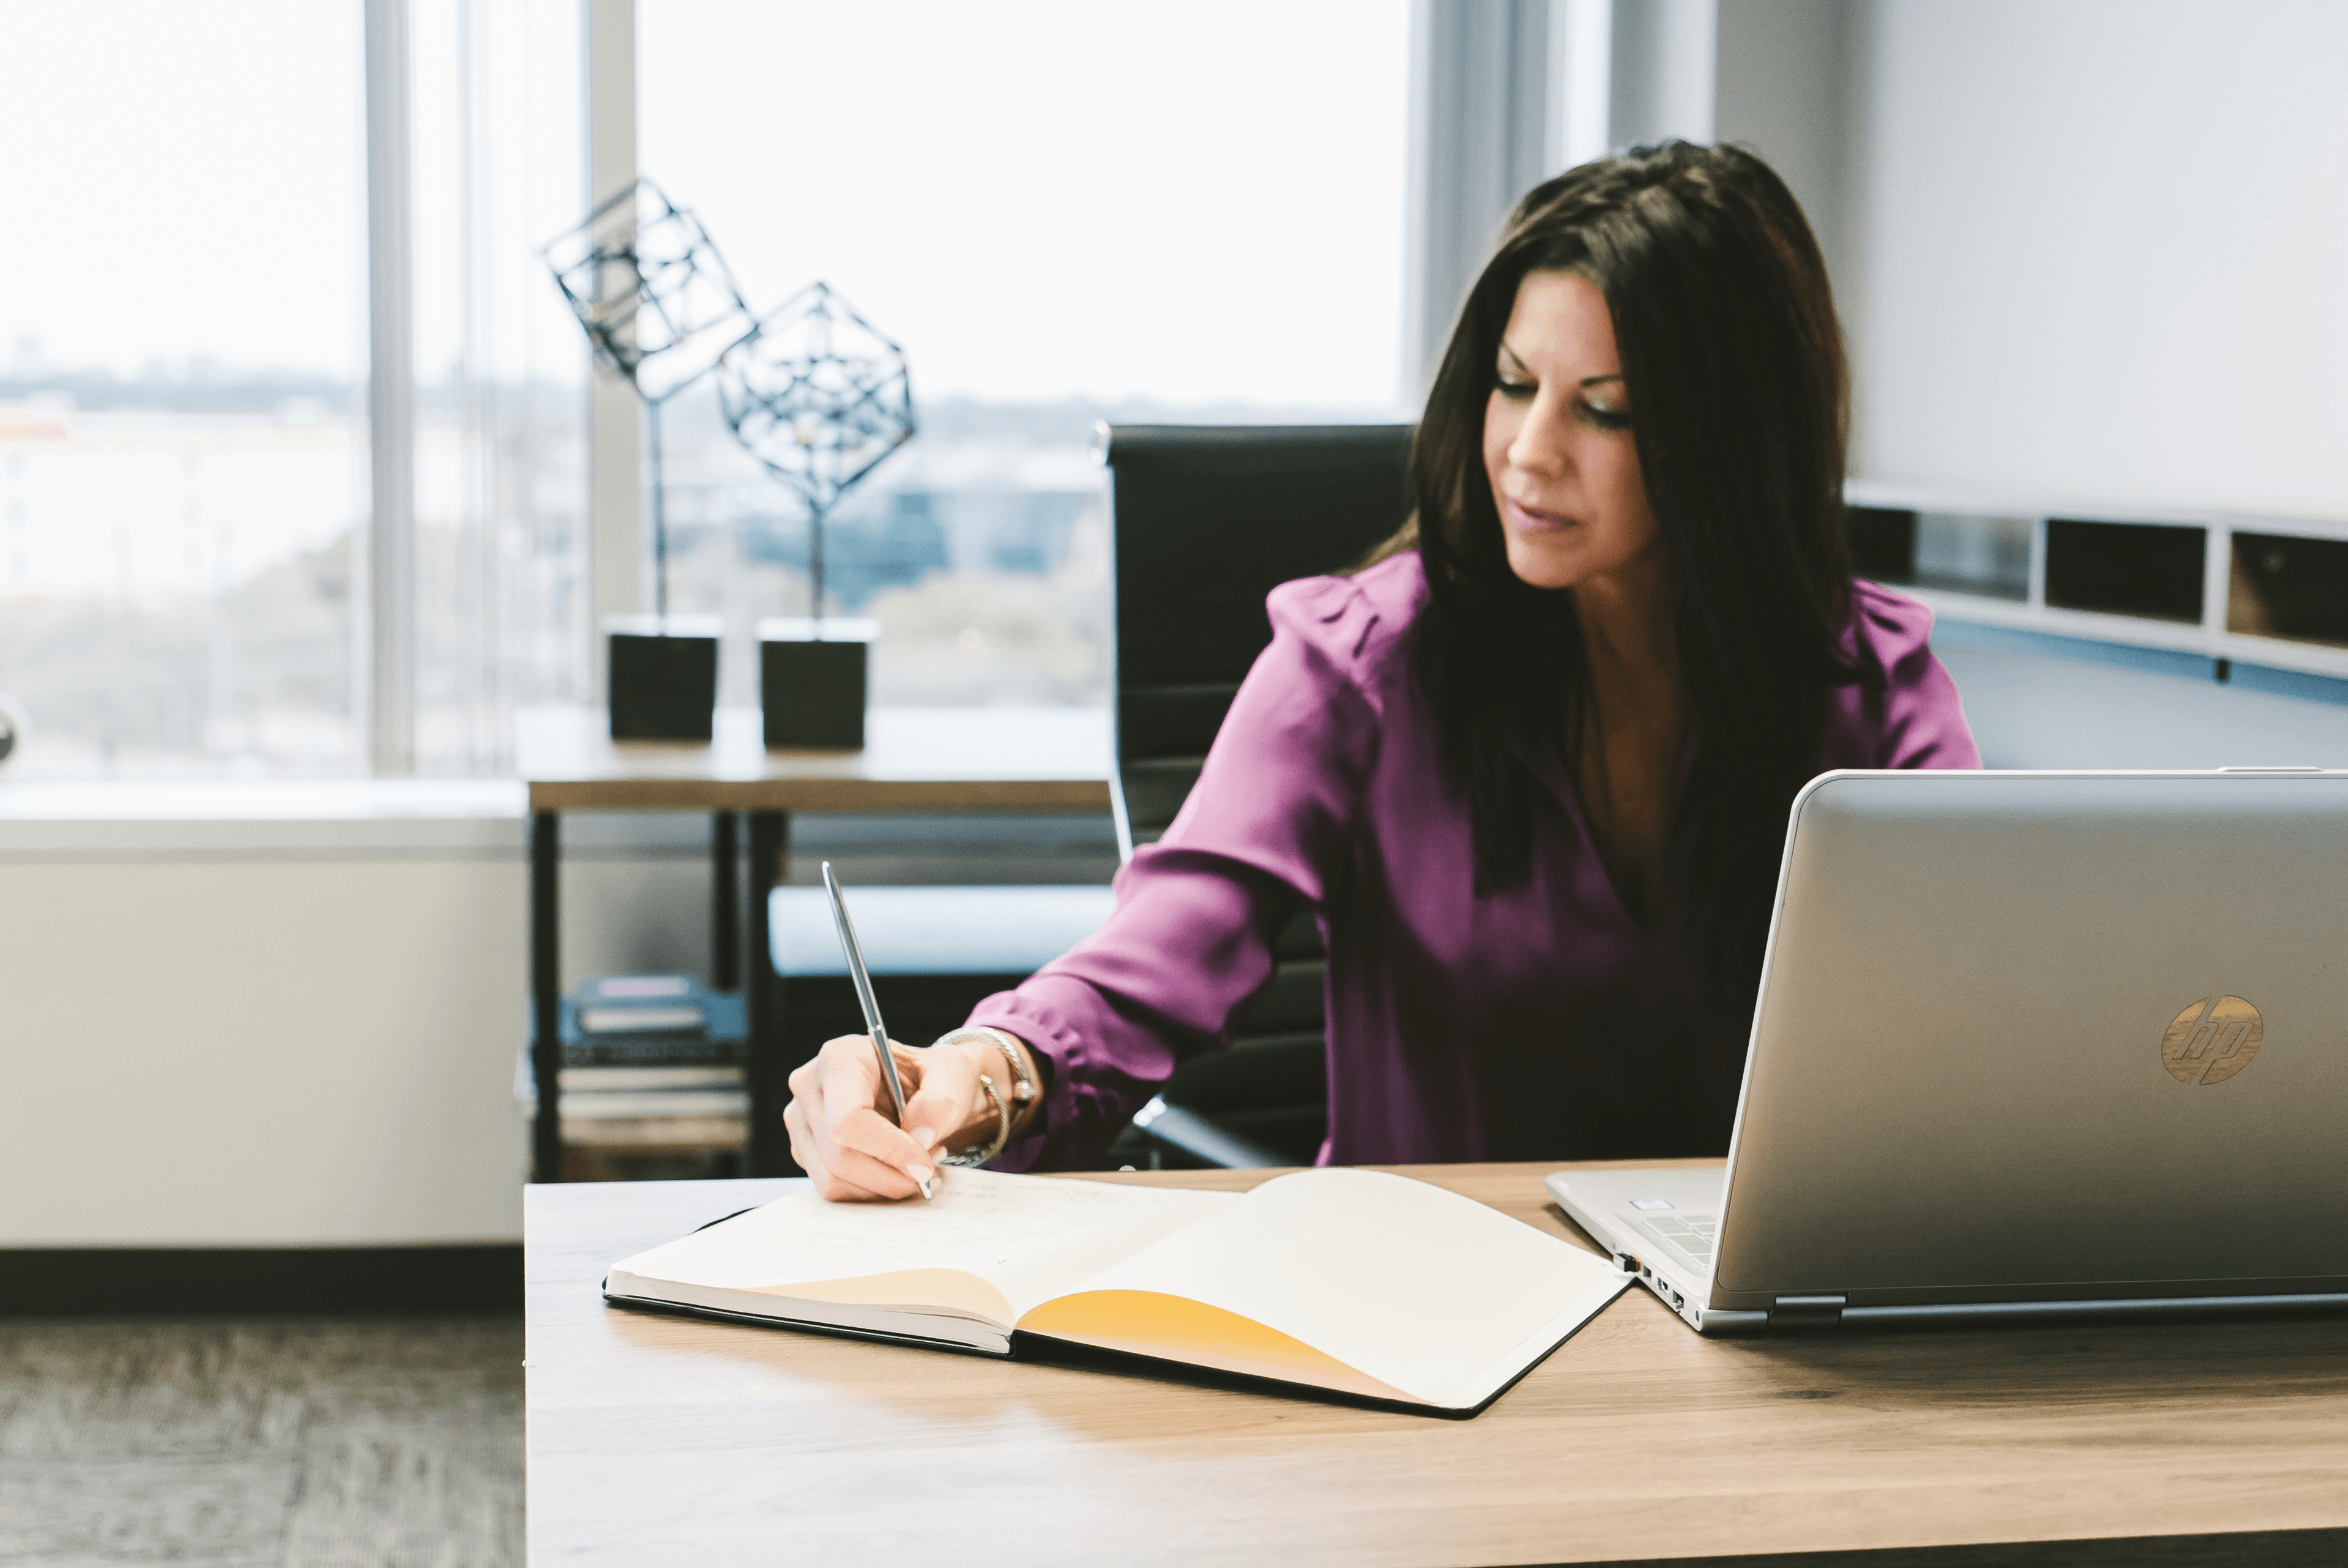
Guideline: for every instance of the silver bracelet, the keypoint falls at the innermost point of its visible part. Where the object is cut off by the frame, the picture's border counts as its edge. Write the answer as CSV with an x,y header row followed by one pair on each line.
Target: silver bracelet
x,y
1022,1087
1001,1130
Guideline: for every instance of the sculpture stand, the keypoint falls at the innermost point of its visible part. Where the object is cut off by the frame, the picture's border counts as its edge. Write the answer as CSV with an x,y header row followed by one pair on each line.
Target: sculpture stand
x,y
659,307
663,677
814,680
820,397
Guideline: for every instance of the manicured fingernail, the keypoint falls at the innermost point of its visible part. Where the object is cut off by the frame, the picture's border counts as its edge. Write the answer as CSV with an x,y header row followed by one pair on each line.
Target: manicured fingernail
x,y
919,1173
924,1137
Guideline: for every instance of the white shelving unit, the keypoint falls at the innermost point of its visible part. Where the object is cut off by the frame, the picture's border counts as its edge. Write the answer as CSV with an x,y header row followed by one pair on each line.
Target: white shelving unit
x,y
2214,635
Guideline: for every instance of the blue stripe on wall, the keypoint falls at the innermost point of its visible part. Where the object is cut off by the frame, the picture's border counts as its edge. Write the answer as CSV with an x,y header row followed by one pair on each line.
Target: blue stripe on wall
x,y
2292,683
2081,649
2296,683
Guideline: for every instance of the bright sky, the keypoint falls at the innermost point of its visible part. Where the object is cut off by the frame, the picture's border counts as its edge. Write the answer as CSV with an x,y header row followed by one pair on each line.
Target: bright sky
x,y
1042,199
193,173
1039,199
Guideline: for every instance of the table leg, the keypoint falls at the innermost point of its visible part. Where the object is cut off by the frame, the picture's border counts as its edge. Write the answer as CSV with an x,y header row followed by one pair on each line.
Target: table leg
x,y
770,1144
725,904
546,997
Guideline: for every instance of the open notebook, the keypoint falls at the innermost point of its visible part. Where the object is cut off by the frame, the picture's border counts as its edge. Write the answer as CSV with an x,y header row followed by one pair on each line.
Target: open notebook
x,y
1355,1281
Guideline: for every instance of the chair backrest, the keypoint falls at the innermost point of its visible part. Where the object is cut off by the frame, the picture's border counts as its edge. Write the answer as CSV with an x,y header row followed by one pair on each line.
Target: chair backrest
x,y
1207,520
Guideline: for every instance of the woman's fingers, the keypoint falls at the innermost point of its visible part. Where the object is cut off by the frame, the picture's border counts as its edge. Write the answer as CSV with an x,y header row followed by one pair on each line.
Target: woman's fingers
x,y
871,1177
821,1161
804,1154
943,1104
840,1174
862,1145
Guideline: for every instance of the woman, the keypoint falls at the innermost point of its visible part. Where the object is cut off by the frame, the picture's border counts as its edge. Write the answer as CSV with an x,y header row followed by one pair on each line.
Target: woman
x,y
1530,766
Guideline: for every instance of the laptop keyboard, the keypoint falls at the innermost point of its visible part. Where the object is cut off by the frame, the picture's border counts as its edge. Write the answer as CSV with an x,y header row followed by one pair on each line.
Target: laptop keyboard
x,y
1689,1235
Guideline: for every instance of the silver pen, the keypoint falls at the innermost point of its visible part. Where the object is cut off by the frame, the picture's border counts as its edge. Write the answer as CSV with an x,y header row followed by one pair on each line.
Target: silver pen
x,y
865,999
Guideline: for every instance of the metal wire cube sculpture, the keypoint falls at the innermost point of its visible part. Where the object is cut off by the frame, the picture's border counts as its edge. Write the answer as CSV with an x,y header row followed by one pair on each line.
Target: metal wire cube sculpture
x,y
659,306
817,395
820,396
657,300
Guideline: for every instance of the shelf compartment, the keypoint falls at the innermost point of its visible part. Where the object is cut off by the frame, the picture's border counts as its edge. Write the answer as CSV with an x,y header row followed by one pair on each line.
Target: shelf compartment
x,y
2152,570
2290,586
1882,543
1958,552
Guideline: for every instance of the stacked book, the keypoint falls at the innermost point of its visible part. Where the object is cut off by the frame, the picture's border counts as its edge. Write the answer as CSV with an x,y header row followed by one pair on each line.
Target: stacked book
x,y
649,1062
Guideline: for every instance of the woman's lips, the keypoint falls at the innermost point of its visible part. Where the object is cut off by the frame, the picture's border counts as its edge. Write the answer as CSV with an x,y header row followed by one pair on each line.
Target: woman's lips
x,y
1533,520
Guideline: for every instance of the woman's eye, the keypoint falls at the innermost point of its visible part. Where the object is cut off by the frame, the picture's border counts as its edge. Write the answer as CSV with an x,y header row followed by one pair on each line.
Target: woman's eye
x,y
1601,416
1511,387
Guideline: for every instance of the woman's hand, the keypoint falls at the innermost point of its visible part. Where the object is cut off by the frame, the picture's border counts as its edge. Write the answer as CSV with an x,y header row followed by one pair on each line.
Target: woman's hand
x,y
843,1130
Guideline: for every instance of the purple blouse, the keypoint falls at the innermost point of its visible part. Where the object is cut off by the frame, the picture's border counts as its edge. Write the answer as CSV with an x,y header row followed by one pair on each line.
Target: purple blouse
x,y
1538,1022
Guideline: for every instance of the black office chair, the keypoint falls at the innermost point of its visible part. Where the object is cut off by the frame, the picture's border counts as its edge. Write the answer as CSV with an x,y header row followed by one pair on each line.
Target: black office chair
x,y
1206,521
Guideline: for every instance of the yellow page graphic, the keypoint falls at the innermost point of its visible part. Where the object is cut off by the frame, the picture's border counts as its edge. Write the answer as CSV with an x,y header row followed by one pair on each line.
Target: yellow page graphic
x,y
1175,1328
1407,1284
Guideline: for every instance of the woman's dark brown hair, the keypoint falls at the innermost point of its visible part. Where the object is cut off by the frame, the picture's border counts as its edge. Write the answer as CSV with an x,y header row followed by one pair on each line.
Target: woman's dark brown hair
x,y
1739,398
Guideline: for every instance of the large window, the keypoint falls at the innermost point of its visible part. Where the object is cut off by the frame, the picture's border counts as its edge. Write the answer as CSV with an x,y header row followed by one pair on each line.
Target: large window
x,y
503,616
1064,212
184,452
182,332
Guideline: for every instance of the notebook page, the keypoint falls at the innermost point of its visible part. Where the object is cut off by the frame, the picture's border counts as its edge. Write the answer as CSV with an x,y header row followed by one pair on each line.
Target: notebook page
x,y
1420,1288
1030,1237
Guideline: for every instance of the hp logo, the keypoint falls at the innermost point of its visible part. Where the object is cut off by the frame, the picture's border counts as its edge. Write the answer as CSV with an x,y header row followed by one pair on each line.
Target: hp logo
x,y
2211,1040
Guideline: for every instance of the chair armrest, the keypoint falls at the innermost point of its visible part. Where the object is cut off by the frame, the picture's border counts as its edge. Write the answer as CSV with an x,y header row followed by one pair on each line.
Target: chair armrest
x,y
1202,1139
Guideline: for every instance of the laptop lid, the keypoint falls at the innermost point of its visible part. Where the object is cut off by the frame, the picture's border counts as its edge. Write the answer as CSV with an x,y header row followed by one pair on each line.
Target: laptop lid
x,y
2029,1037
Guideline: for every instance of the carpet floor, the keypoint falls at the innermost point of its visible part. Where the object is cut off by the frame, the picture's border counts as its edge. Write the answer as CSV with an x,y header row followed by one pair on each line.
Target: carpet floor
x,y
391,1442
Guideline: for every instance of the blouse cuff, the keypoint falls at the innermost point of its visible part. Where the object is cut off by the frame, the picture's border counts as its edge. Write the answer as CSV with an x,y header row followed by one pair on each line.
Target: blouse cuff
x,y
1051,1041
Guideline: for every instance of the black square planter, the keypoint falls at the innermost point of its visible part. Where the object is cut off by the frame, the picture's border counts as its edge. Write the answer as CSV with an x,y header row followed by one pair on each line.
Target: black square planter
x,y
813,692
663,688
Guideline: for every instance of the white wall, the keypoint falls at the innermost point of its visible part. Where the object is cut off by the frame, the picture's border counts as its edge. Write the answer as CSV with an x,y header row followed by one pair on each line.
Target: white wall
x,y
2099,250
1661,71
1782,86
2029,711
224,1027
291,1017
287,1052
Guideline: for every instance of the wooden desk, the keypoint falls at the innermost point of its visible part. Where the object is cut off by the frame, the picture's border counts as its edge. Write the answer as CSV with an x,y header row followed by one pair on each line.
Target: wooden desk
x,y
915,760
661,1440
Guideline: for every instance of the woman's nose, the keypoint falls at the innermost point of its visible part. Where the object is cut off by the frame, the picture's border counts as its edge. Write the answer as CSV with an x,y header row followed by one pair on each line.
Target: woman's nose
x,y
1543,444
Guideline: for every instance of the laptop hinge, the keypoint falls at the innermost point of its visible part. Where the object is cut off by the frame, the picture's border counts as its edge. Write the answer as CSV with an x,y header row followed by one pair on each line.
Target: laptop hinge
x,y
1807,1312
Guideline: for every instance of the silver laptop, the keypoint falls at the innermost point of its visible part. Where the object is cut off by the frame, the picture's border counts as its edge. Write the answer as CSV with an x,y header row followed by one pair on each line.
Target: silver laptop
x,y
2026,1045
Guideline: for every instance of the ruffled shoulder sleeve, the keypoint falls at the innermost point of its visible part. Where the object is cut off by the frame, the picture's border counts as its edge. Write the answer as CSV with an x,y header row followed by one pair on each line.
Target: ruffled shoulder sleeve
x,y
1905,712
1350,628
1281,783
